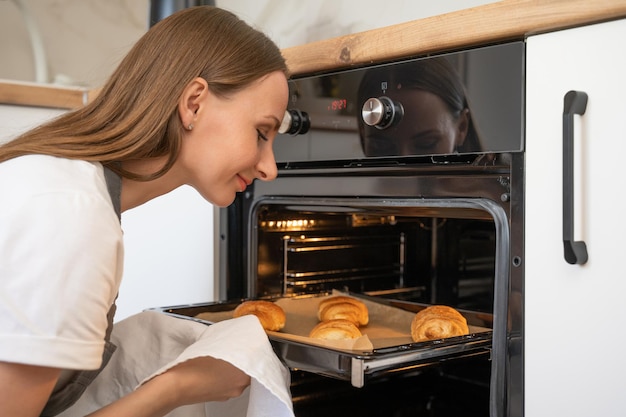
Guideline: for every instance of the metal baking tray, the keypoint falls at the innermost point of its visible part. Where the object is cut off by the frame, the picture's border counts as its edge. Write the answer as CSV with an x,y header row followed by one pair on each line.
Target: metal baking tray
x,y
361,366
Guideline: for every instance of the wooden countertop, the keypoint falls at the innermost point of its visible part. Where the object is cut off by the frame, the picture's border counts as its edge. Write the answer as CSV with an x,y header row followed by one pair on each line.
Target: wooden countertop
x,y
43,95
490,23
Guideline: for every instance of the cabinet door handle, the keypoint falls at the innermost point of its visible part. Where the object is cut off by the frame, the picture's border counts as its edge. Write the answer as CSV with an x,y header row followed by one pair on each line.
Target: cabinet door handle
x,y
575,252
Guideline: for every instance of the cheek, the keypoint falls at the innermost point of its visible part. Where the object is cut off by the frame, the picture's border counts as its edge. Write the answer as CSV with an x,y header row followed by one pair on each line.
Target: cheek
x,y
201,161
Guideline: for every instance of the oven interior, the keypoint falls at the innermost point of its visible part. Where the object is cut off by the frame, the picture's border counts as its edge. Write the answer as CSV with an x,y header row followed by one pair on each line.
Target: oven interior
x,y
433,255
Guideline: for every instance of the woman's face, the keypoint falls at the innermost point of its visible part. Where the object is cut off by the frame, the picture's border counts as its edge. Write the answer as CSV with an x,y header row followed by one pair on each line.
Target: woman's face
x,y
230,144
427,128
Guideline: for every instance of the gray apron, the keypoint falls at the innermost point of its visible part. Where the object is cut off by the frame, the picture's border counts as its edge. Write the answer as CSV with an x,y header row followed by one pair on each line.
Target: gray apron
x,y
77,381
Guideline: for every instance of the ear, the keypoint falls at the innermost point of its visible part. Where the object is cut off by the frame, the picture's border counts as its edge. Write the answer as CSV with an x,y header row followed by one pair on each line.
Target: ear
x,y
462,127
191,100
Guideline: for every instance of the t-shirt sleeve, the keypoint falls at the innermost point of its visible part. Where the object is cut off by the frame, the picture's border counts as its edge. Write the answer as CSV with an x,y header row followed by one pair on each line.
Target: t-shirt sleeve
x,y
61,259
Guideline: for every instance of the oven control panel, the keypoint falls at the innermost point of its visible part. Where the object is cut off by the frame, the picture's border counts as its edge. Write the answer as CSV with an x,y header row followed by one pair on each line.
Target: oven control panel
x,y
468,102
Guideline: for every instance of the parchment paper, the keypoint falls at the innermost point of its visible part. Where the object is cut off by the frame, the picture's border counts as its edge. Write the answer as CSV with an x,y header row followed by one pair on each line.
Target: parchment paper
x,y
387,327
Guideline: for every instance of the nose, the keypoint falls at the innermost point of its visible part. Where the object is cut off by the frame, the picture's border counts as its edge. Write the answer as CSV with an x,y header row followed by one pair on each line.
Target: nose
x,y
266,167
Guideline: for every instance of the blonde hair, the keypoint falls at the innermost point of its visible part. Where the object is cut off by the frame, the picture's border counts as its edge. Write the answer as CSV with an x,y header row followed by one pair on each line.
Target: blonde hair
x,y
135,115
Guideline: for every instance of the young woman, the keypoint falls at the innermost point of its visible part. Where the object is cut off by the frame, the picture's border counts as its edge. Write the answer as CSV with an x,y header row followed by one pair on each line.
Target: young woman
x,y
198,101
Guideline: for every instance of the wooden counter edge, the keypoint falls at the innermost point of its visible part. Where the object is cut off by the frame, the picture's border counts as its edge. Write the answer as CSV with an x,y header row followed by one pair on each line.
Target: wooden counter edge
x,y
495,22
43,95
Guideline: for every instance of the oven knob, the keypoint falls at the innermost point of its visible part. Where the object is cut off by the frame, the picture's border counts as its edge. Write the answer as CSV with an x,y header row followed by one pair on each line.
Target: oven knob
x,y
381,112
295,122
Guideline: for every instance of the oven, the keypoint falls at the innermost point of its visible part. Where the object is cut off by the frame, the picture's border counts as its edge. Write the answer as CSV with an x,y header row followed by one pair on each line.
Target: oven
x,y
381,196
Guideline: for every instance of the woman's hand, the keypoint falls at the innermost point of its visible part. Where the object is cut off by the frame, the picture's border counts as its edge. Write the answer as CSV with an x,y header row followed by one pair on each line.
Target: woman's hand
x,y
197,380
207,379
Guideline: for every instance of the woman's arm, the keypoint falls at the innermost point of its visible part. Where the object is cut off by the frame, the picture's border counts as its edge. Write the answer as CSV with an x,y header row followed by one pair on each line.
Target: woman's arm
x,y
24,389
195,381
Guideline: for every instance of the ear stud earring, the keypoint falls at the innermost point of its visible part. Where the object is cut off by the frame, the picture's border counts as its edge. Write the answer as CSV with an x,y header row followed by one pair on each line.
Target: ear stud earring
x,y
190,127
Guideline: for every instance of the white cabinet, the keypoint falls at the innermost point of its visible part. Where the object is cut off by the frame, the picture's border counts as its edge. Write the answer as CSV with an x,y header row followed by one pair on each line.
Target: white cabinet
x,y
16,119
575,315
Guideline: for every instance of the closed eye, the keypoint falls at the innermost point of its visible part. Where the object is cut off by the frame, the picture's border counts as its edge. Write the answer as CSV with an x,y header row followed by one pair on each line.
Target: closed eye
x,y
261,135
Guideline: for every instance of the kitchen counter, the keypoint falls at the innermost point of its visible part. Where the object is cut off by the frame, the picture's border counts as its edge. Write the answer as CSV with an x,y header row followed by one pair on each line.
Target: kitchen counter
x,y
44,95
490,23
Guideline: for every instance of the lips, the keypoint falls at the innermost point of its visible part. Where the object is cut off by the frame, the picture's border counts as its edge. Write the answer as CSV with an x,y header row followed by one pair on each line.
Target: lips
x,y
243,183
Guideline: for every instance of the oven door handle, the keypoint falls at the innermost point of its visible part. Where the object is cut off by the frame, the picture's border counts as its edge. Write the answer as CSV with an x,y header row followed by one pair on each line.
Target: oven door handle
x,y
575,252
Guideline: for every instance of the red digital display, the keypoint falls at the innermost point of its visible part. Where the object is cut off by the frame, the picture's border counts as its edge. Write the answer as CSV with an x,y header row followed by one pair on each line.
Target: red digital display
x,y
338,104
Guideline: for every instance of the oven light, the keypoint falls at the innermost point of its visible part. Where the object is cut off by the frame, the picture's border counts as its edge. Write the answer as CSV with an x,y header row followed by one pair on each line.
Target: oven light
x,y
287,224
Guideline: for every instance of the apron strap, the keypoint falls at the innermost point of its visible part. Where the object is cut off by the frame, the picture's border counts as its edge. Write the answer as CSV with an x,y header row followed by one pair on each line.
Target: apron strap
x,y
114,185
66,396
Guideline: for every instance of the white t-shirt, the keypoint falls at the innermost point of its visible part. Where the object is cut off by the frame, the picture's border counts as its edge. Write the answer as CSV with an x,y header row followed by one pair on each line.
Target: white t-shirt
x,y
61,260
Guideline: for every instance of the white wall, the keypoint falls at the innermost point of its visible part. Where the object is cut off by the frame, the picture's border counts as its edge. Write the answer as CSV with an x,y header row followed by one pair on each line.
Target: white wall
x,y
169,241
168,253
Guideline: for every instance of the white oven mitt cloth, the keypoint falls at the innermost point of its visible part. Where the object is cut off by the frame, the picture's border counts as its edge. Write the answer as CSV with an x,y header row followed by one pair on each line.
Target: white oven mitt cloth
x,y
150,343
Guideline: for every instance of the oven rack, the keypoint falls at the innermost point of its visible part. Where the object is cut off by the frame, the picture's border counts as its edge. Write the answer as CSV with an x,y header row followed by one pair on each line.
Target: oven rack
x,y
305,256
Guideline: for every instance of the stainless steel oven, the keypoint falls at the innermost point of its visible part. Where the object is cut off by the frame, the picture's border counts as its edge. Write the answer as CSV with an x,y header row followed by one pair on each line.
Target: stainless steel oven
x,y
402,184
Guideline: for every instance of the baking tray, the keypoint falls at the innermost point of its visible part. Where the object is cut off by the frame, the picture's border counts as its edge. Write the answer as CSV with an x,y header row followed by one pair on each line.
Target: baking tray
x,y
372,357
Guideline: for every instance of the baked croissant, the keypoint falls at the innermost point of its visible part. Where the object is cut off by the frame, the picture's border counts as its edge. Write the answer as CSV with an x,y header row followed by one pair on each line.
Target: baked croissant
x,y
271,316
335,330
438,322
344,308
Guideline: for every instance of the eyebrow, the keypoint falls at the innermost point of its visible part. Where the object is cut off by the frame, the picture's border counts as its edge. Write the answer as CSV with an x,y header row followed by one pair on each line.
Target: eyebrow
x,y
276,121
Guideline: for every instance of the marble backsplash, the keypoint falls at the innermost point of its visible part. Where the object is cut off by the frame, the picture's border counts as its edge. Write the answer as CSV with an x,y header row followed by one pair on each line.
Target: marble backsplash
x,y
83,40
